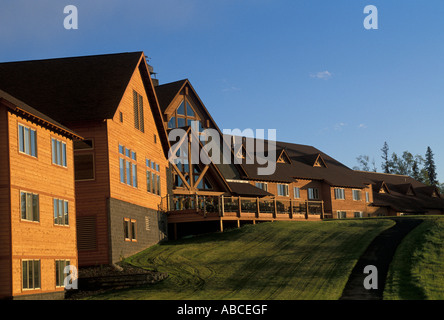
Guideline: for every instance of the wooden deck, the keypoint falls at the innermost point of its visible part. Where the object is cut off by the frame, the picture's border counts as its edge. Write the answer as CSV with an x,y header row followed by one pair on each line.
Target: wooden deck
x,y
193,208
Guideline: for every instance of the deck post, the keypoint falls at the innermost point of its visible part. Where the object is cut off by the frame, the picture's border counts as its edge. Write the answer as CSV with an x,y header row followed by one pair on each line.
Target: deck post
x,y
240,207
204,207
257,207
221,206
275,208
291,208
221,225
168,202
322,209
306,209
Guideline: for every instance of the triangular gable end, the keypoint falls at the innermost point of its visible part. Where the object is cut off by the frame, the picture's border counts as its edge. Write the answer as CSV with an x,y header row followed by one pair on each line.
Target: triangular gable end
x,y
410,191
319,162
383,188
283,157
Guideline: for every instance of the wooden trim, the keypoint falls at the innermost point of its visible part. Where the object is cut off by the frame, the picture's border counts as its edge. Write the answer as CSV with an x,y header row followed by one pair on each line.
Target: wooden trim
x,y
201,175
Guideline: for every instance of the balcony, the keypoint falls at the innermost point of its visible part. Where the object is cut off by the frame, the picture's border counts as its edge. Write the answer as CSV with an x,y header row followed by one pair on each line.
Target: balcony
x,y
197,207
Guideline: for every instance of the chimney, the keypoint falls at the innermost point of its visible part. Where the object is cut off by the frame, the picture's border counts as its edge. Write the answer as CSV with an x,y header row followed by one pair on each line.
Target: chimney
x,y
152,73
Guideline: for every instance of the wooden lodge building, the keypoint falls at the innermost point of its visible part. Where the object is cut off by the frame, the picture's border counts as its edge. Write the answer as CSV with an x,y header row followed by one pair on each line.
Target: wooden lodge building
x,y
113,122
37,201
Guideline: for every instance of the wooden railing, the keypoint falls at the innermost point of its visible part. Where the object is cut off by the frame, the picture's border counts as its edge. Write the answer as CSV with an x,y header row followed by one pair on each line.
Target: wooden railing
x,y
238,205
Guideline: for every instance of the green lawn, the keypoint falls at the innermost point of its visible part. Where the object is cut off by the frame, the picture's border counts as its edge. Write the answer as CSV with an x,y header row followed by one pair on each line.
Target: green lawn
x,y
279,260
417,270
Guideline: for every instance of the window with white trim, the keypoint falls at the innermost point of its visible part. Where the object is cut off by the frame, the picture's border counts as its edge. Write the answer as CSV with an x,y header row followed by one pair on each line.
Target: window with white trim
x,y
297,192
27,140
58,152
31,274
128,166
313,193
282,190
262,185
342,214
60,272
61,212
29,206
339,193
356,194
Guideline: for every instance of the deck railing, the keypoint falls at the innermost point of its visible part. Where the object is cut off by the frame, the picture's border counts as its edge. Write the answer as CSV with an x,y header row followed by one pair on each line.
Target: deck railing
x,y
238,205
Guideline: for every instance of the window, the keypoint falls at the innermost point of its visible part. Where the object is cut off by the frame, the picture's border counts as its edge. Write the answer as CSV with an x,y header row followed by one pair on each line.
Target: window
x,y
129,229
121,116
27,140
29,206
339,193
84,160
138,112
282,190
61,212
58,152
185,116
342,215
152,177
367,197
31,274
297,192
313,193
128,166
60,272
262,185
357,195
358,214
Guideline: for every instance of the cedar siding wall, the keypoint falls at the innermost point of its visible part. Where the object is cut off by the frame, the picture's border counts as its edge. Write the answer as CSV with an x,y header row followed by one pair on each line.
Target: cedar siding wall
x,y
91,198
41,240
147,145
5,212
125,134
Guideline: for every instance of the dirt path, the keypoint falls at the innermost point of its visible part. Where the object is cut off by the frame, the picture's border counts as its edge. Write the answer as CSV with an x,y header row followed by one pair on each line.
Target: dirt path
x,y
379,254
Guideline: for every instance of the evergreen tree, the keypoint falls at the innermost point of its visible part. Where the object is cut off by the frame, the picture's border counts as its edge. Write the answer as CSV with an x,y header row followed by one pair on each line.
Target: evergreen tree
x,y
385,157
429,165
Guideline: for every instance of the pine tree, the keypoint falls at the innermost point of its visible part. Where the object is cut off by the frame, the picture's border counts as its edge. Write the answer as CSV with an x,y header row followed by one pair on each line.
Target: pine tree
x,y
385,157
430,167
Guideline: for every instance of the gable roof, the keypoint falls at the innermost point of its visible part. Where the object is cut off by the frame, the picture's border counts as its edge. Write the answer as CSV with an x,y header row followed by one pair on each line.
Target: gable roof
x,y
18,106
71,89
303,158
405,193
79,89
167,92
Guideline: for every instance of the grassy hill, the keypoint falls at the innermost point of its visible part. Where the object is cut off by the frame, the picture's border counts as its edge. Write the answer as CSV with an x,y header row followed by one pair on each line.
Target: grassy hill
x,y
279,260
417,269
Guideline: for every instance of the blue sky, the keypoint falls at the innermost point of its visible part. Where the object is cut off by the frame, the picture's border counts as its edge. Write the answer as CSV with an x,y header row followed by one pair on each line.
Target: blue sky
x,y
307,68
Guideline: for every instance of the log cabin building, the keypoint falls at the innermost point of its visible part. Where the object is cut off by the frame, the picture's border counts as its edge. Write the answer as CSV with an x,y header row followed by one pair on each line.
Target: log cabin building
x,y
37,202
129,196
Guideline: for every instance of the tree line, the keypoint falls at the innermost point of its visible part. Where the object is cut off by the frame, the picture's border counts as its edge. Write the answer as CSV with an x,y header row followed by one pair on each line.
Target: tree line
x,y
420,168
